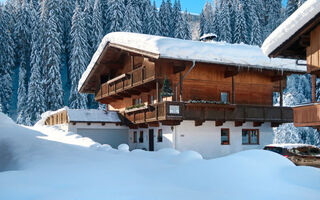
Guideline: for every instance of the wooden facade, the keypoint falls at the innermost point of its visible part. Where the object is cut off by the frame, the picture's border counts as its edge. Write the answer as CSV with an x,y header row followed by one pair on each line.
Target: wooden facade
x,y
57,118
305,44
131,83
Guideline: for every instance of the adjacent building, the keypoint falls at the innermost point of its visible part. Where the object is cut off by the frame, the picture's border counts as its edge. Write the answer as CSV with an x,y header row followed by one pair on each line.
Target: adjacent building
x,y
214,98
299,38
99,125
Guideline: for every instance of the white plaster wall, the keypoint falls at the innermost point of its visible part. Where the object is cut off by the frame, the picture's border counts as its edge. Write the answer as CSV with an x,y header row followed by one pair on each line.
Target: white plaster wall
x,y
167,141
206,139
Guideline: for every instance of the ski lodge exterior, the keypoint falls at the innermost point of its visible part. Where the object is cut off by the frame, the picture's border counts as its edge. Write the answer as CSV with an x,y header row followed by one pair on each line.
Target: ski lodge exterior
x,y
218,98
299,38
99,125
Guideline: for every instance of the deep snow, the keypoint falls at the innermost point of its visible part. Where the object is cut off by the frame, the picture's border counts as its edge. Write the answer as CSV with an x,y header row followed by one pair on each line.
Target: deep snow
x,y
47,163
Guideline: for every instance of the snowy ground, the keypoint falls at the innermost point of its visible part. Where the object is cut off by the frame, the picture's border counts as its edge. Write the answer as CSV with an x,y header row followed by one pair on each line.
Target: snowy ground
x,y
35,163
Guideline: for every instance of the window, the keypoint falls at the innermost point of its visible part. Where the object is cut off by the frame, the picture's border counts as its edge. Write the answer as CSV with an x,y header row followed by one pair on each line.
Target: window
x,y
225,136
150,99
141,137
224,97
250,136
135,135
160,138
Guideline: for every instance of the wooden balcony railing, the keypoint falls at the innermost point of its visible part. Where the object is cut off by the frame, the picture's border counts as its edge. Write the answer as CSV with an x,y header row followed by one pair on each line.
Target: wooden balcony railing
x,y
307,115
126,82
178,111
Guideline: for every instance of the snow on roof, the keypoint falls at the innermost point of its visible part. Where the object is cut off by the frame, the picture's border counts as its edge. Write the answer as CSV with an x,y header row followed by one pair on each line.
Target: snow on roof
x,y
290,26
204,36
241,55
84,115
290,146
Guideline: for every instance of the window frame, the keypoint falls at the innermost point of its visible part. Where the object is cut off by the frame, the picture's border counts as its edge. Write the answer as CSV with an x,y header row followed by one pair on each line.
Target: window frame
x,y
160,137
135,137
141,139
228,142
228,93
250,132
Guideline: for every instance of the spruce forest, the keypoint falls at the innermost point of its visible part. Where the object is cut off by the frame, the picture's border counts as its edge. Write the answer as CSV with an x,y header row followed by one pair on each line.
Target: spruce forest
x,y
45,46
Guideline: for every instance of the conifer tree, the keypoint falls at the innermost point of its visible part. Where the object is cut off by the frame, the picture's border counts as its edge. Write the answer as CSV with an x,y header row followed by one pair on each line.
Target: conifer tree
x,y
79,58
164,19
225,28
52,55
153,21
35,99
186,24
6,61
292,5
256,33
131,20
22,33
240,32
97,24
116,12
273,15
178,20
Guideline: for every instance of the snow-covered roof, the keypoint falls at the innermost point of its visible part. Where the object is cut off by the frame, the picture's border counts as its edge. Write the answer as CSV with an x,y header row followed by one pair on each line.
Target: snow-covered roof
x,y
289,146
290,26
240,55
208,35
85,115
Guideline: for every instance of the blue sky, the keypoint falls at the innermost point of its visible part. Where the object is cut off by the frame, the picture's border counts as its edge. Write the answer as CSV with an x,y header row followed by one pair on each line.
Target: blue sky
x,y
193,6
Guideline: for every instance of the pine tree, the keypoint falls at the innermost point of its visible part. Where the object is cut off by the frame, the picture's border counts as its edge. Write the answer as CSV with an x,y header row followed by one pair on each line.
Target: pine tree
x,y
52,55
256,33
171,22
166,89
35,99
164,19
240,32
79,58
116,11
131,20
273,15
6,61
22,33
97,24
186,26
178,20
292,5
225,27
153,21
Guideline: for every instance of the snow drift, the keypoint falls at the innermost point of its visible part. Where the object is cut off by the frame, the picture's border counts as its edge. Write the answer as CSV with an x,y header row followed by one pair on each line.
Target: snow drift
x,y
61,167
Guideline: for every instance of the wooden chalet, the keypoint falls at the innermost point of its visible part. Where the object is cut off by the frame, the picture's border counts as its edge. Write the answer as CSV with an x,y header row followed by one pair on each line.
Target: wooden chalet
x,y
211,82
299,38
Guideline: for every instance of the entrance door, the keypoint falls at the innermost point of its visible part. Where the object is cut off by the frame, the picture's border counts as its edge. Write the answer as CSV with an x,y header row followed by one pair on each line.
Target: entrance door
x,y
151,140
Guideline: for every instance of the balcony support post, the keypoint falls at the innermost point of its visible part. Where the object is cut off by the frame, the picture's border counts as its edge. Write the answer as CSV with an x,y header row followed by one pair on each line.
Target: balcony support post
x,y
233,91
314,88
281,94
181,87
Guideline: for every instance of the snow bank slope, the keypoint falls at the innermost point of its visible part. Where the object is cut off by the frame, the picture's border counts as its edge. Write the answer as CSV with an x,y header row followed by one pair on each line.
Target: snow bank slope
x,y
52,170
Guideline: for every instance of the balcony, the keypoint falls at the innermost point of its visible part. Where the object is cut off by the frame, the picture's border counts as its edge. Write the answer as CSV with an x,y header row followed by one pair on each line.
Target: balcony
x,y
173,113
307,115
127,84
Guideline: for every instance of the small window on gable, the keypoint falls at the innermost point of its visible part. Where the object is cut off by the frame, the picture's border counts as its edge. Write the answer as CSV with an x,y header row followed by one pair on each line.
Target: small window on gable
x,y
141,137
224,97
225,136
135,137
160,137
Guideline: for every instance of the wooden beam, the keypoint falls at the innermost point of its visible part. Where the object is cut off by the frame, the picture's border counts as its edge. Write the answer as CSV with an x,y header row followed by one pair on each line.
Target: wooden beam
x,y
154,124
257,124
275,124
170,123
143,126
281,93
233,91
228,73
238,123
133,126
198,122
278,78
219,123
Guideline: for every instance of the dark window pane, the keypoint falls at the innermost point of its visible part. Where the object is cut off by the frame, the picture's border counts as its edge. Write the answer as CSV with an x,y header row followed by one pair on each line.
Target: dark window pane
x,y
245,136
254,137
141,137
160,138
224,97
225,136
